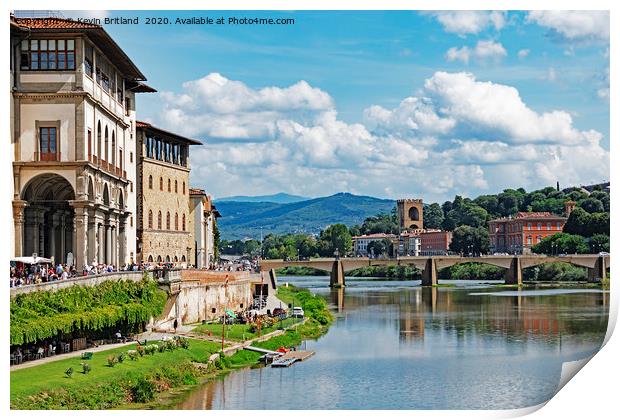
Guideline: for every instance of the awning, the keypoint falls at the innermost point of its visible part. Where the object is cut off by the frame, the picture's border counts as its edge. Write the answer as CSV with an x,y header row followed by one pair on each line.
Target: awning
x,y
32,260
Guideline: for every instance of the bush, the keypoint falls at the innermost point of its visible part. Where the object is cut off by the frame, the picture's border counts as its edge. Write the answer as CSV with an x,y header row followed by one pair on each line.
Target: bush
x,y
85,368
112,360
133,355
69,372
120,357
142,390
183,342
140,350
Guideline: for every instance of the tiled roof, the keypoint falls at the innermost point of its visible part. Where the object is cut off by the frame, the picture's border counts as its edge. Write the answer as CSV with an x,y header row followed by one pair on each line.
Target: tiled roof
x,y
161,131
53,23
196,191
532,215
375,235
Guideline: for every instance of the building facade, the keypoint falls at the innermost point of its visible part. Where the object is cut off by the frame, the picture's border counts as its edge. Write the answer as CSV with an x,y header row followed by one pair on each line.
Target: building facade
x,y
73,136
361,242
202,218
435,242
517,235
409,244
164,234
410,214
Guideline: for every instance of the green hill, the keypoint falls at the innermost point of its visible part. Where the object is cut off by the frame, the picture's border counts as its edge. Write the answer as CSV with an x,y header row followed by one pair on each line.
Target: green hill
x,y
244,219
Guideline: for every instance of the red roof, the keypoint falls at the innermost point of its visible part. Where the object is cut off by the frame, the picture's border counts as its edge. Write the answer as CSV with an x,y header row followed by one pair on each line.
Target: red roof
x,y
161,131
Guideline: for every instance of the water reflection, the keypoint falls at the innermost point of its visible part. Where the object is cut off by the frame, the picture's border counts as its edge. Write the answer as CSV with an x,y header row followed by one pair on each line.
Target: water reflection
x,y
397,345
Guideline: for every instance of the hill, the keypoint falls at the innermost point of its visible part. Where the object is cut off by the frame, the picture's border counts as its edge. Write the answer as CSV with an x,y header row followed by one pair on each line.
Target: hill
x,y
281,198
244,219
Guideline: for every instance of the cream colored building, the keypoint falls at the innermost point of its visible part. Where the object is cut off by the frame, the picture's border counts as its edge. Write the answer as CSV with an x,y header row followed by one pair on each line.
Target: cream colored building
x,y
165,230
203,215
74,140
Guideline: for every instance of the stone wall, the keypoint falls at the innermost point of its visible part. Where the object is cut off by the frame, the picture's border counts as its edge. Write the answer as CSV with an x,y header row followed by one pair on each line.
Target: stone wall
x,y
82,281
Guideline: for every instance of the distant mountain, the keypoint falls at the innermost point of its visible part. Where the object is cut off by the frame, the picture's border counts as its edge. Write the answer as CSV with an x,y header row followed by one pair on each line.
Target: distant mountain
x,y
281,198
244,219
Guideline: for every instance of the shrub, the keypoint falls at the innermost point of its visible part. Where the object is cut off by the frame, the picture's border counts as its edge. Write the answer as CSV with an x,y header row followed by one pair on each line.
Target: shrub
x,y
120,357
140,350
69,372
133,355
183,342
112,360
161,348
142,390
85,368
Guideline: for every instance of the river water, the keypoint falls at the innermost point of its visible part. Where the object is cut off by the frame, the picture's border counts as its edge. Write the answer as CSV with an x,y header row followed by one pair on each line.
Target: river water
x,y
396,345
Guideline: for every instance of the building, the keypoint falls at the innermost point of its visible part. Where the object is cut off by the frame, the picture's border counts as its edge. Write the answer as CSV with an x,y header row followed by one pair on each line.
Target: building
x,y
435,242
410,214
164,231
73,135
409,244
360,243
202,223
517,235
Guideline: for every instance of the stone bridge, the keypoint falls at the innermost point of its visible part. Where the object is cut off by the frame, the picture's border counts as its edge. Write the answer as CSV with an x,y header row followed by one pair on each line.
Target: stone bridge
x,y
596,265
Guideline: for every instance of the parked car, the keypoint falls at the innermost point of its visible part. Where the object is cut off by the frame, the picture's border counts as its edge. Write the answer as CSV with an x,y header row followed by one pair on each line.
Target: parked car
x,y
298,312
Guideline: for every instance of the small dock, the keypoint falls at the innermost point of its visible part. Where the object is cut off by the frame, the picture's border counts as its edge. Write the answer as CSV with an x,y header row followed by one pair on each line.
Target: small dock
x,y
287,359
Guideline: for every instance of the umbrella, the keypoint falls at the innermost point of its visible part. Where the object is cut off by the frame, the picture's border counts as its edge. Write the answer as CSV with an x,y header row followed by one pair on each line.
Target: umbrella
x,y
229,312
32,260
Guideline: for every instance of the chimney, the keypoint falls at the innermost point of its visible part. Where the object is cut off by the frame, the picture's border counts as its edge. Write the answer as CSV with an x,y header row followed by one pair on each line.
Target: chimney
x,y
569,207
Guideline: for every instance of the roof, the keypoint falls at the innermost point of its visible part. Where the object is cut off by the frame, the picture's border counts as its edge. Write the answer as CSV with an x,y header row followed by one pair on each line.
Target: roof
x,y
161,131
139,87
196,191
95,32
375,236
531,215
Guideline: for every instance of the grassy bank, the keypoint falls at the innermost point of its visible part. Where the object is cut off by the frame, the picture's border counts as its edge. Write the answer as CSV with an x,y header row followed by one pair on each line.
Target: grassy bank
x,y
48,386
242,332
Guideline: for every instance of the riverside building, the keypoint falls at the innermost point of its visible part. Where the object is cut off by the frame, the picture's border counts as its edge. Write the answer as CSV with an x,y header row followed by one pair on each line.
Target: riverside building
x,y
73,135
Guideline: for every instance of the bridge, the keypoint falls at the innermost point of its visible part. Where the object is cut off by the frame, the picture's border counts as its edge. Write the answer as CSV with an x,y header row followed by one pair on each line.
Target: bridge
x,y
595,264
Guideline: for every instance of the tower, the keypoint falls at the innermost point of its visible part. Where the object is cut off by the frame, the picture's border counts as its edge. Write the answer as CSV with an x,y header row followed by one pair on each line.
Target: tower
x,y
410,214
569,206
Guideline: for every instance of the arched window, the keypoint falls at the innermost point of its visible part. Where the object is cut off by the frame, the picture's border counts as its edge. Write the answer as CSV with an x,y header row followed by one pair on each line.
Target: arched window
x,y
176,259
183,258
183,187
161,183
183,222
159,258
176,221
113,149
99,139
151,182
150,258
168,220
169,184
105,139
159,220
167,258
150,219
176,186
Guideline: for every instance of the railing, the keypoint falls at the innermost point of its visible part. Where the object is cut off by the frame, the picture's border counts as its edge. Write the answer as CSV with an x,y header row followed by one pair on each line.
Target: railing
x,y
46,156
107,166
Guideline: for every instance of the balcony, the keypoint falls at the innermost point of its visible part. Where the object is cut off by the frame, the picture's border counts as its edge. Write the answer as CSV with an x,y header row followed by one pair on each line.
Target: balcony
x,y
107,166
47,156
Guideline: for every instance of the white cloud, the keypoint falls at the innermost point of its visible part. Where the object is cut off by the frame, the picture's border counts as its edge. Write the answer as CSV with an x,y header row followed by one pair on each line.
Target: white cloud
x,y
523,53
456,135
470,21
483,51
574,25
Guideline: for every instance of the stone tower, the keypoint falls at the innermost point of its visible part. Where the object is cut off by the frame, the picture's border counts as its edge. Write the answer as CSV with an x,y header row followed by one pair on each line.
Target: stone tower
x,y
569,206
410,214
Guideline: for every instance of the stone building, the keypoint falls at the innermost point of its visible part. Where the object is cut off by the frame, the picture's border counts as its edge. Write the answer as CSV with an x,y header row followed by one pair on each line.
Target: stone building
x,y
73,137
410,214
164,230
435,242
202,223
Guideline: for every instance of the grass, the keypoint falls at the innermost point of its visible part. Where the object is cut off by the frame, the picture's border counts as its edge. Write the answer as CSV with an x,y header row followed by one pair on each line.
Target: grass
x,y
241,332
49,376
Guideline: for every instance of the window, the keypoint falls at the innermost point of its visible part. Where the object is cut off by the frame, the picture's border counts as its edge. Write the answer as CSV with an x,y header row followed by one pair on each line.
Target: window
x,y
90,143
159,220
538,239
130,157
183,187
548,225
176,221
183,222
99,139
88,60
559,226
176,186
130,186
150,182
539,226
169,189
113,149
127,106
48,54
529,240
130,221
150,219
167,220
161,183
106,144
529,226
48,143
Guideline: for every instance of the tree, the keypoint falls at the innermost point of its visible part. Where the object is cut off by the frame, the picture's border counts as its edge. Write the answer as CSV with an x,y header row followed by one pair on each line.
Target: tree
x,y
468,239
433,216
561,243
336,236
591,205
379,247
599,243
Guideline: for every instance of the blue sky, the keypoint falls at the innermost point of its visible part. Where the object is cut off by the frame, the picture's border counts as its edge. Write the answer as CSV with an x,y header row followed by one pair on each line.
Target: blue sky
x,y
346,128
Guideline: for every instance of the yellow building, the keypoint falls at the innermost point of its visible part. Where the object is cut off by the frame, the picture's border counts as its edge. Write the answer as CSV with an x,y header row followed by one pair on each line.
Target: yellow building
x,y
164,230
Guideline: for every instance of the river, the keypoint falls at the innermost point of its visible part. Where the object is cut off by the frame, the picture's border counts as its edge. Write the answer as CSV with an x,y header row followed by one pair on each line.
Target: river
x,y
396,345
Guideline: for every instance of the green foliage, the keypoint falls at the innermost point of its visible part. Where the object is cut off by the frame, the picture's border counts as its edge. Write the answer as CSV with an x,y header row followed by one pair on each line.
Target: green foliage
x,y
249,247
111,360
120,357
580,222
472,271
40,315
467,239
142,390
69,372
381,223
400,272
335,237
591,205
381,247
140,350
433,216
555,272
315,307
561,243
85,368
599,243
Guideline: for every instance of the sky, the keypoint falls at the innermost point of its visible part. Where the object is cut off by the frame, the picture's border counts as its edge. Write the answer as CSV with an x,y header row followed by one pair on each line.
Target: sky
x,y
388,104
